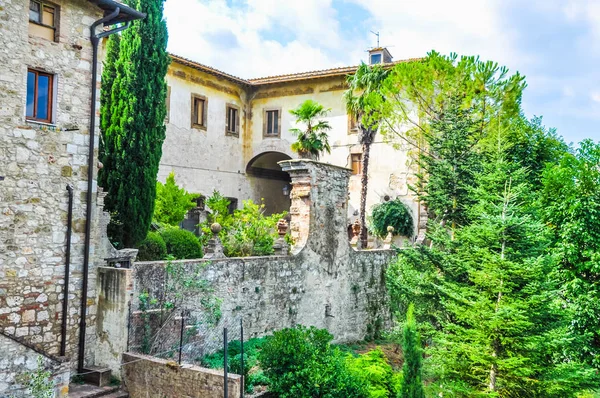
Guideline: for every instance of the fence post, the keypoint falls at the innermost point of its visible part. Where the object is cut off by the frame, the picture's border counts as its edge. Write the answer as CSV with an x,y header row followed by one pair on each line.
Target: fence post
x,y
226,383
181,336
242,357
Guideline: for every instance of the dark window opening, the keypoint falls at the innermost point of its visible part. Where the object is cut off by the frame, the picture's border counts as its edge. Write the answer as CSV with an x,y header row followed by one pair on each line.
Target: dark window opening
x,y
233,121
272,123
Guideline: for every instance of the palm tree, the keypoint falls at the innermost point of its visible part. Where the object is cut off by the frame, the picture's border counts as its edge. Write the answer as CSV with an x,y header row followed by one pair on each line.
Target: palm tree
x,y
364,88
313,139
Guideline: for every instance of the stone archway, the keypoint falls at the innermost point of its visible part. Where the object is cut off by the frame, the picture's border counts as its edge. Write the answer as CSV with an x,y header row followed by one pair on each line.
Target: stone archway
x,y
269,182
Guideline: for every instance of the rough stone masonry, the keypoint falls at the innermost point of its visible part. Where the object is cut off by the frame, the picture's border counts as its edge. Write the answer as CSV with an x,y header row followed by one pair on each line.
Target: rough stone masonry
x,y
325,283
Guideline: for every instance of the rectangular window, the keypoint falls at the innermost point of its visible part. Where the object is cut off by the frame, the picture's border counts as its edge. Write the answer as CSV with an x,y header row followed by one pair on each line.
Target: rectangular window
x,y
356,163
168,104
272,123
352,124
232,126
199,108
43,19
39,96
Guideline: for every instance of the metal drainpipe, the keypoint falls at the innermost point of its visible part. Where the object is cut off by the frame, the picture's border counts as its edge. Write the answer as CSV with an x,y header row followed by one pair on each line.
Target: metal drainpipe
x,y
65,303
95,38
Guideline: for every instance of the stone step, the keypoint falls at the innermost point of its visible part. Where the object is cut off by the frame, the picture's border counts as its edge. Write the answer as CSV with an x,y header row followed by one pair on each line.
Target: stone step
x,y
91,391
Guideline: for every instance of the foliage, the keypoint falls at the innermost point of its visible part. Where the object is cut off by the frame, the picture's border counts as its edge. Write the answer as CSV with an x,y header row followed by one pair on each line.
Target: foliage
x,y
246,232
448,164
412,383
364,87
252,376
106,150
181,244
134,133
374,372
39,382
312,140
571,206
301,363
392,213
153,248
172,202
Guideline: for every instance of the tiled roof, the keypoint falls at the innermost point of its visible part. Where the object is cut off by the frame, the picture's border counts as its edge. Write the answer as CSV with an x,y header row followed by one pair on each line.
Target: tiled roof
x,y
342,71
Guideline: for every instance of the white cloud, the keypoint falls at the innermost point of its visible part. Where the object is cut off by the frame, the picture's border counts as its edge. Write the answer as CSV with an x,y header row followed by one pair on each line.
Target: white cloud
x,y
233,38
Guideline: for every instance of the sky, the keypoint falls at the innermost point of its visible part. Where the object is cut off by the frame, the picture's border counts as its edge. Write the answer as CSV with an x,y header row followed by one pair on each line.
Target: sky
x,y
554,43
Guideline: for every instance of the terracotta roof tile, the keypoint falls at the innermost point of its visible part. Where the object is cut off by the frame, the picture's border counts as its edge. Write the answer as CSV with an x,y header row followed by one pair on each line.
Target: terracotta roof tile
x,y
341,71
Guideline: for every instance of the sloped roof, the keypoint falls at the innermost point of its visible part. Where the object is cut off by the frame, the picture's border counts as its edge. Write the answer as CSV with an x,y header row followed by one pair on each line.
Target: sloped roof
x,y
341,71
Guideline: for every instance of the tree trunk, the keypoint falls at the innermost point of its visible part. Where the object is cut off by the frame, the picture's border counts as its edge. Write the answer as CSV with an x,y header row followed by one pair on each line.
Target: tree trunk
x,y
364,181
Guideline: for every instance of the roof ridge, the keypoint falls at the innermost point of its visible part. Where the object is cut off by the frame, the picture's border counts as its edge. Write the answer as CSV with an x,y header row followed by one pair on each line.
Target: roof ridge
x,y
279,78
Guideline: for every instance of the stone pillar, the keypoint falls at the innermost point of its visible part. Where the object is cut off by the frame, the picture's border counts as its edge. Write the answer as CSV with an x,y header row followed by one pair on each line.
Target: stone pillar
x,y
112,326
214,247
281,247
319,208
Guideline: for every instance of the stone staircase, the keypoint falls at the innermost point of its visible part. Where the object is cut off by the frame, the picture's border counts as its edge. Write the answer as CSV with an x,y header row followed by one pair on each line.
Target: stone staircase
x,y
91,391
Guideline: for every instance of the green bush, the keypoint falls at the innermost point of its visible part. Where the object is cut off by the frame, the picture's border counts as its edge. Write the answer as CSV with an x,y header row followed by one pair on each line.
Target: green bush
x,y
181,244
172,202
153,248
301,363
393,213
246,232
375,372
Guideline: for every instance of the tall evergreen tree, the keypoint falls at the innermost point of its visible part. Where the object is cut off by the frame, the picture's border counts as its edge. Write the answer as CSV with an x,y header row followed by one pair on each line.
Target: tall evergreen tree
x,y
136,131
412,383
109,74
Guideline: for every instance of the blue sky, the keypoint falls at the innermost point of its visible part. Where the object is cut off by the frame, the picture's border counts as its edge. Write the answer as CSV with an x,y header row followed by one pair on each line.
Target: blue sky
x,y
554,43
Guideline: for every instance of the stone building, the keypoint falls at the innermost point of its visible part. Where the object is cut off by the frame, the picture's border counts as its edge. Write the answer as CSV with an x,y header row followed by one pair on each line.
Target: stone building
x,y
46,69
226,133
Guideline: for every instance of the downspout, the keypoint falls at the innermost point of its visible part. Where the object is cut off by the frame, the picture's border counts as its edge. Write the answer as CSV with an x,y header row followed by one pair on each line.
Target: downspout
x,y
65,303
95,38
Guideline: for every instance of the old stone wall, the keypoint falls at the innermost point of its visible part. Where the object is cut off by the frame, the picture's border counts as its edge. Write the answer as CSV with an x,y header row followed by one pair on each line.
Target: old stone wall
x,y
17,360
325,283
38,162
149,377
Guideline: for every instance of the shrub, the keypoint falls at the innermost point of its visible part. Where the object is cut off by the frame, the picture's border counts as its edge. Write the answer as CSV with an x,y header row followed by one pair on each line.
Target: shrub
x,y
181,244
246,232
375,372
393,213
153,248
301,363
172,202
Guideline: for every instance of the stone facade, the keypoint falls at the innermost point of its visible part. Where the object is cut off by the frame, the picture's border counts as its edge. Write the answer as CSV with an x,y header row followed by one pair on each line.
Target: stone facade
x,y
196,155
149,377
39,160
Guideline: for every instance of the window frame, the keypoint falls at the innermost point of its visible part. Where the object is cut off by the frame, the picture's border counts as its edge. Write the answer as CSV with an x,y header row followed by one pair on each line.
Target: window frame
x,y
194,117
380,54
352,124
51,84
265,122
168,105
56,19
228,131
359,162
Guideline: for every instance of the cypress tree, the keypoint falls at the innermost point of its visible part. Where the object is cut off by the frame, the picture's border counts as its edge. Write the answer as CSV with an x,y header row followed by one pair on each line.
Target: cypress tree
x,y
412,383
136,131
109,74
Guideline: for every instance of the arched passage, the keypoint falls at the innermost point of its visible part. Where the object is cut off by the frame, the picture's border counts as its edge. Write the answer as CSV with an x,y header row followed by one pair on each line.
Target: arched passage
x,y
269,182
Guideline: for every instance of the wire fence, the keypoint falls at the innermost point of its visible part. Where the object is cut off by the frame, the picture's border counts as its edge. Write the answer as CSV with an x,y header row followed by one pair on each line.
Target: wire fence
x,y
190,337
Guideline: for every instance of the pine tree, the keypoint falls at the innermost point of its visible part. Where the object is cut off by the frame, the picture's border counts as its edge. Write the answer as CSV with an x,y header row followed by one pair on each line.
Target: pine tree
x,y
412,383
136,131
109,74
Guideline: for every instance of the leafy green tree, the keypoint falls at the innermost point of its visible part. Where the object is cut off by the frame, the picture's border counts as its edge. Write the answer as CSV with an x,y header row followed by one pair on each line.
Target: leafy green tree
x,y
412,383
134,136
571,206
301,363
374,372
393,213
449,163
364,88
312,140
172,202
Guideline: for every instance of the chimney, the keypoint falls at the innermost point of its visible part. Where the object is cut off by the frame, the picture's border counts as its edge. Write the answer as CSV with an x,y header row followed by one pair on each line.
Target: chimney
x,y
379,55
